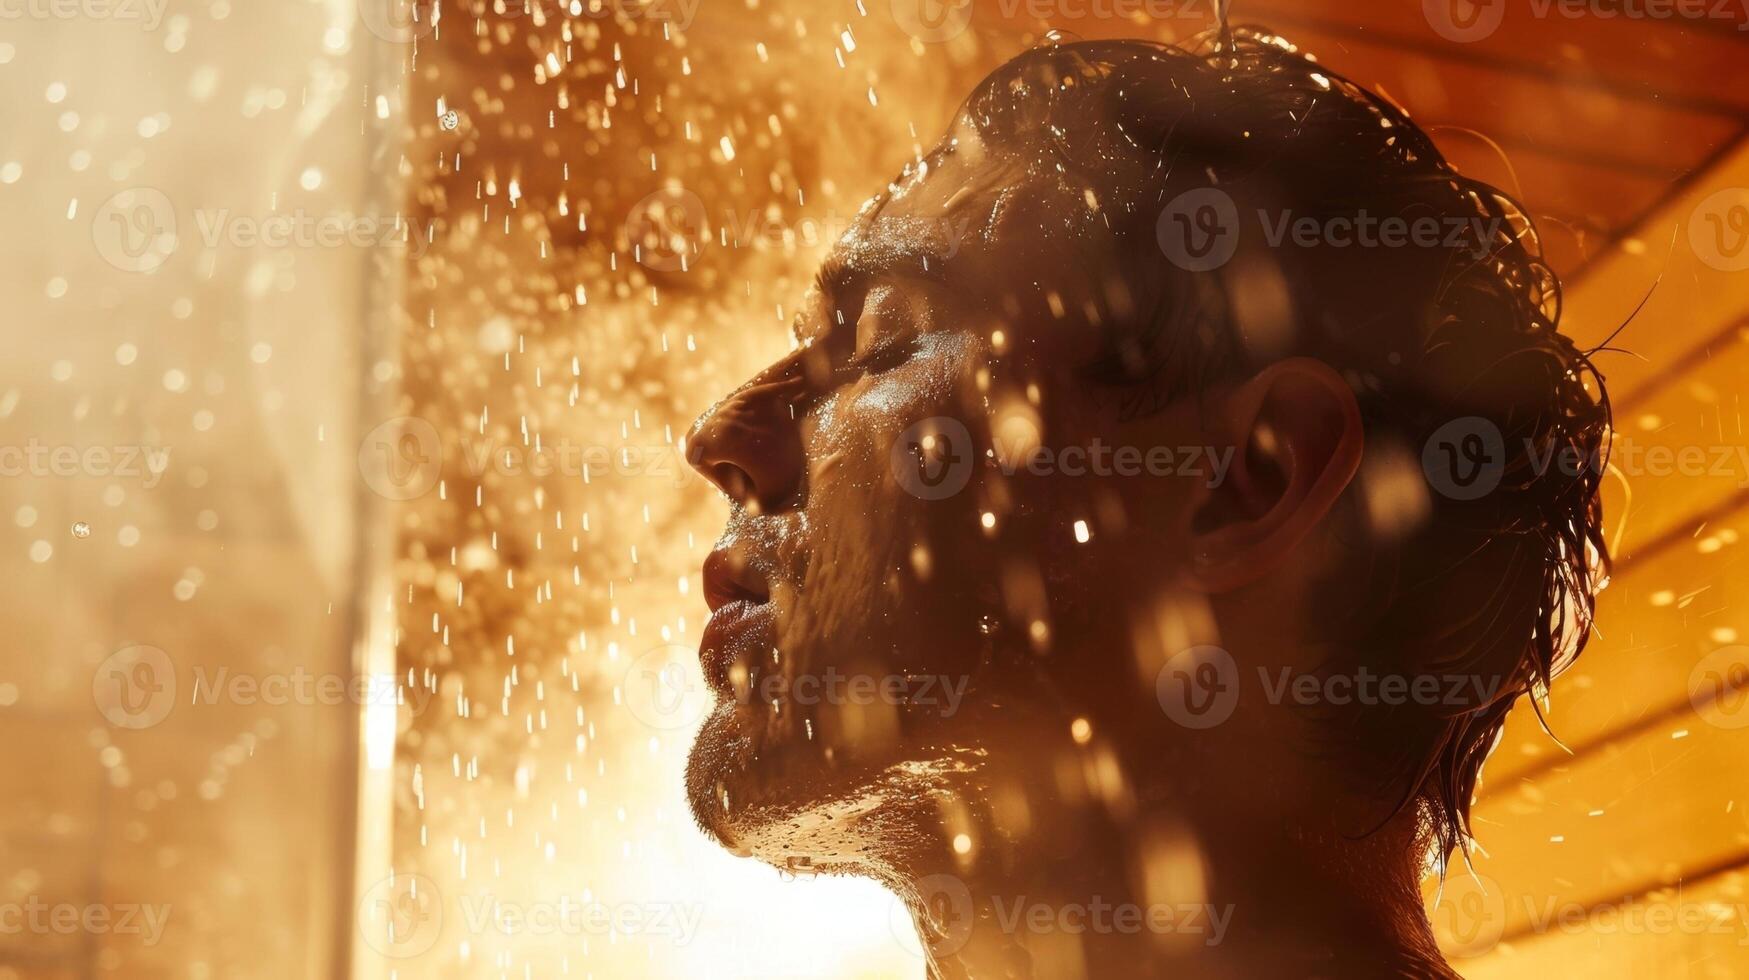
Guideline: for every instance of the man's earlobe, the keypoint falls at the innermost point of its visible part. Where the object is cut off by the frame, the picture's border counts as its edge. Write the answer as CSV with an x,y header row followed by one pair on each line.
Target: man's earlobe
x,y
1297,438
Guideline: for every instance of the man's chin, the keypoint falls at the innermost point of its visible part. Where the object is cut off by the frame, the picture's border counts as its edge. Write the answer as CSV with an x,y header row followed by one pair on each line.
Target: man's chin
x,y
764,791
716,771
747,775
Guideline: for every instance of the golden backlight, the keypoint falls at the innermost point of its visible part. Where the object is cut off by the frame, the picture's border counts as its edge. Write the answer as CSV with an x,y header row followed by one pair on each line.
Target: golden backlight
x,y
415,304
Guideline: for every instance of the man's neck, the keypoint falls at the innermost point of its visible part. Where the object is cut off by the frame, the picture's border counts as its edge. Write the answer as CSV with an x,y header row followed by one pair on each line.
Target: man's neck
x,y
1081,892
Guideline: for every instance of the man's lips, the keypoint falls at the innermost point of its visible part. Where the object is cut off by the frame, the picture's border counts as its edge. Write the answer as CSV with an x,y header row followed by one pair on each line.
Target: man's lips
x,y
743,622
738,632
728,576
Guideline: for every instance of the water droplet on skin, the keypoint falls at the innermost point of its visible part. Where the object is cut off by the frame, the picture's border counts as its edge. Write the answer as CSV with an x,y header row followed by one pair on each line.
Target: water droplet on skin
x,y
81,529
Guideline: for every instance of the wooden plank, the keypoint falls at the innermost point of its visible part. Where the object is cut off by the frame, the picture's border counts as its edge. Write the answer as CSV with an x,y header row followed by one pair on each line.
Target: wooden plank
x,y
1631,816
1657,623
1688,297
1696,65
1586,162
1529,111
1513,107
1696,930
1546,183
1681,587
1683,448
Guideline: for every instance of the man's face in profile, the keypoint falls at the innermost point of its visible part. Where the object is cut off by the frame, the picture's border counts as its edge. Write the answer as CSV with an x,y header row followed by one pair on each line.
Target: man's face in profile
x,y
921,491
1036,469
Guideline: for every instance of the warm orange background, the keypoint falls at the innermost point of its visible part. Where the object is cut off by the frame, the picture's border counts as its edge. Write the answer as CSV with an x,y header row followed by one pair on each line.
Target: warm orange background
x,y
517,609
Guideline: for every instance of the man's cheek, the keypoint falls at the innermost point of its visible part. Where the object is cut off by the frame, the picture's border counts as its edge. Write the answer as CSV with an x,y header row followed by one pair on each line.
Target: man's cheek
x,y
846,445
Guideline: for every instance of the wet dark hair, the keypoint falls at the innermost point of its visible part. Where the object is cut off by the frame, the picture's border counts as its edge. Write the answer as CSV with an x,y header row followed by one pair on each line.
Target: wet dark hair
x,y
1455,336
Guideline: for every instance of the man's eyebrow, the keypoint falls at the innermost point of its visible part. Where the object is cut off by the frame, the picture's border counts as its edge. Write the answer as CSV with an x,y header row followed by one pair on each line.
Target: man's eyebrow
x,y
841,273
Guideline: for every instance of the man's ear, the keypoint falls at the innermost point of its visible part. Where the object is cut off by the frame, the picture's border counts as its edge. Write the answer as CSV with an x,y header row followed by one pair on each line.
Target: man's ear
x,y
1298,438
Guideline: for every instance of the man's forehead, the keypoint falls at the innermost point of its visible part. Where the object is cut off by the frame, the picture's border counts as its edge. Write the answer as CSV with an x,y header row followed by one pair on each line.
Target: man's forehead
x,y
980,221
895,244
938,210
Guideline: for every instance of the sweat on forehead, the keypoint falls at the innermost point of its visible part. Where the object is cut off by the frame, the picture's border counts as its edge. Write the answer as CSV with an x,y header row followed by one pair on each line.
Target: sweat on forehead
x,y
977,214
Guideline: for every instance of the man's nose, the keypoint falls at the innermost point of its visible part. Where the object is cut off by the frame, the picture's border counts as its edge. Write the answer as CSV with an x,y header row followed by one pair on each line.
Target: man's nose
x,y
750,445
